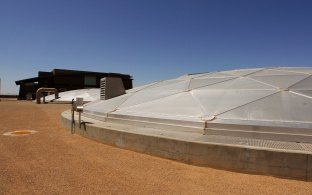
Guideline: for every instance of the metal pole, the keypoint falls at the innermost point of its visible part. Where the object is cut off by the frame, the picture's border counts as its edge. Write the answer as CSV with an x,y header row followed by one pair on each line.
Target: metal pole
x,y
79,120
72,116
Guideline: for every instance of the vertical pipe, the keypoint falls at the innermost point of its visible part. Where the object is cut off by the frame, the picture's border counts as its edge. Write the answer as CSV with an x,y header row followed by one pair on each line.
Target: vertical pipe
x,y
72,116
79,120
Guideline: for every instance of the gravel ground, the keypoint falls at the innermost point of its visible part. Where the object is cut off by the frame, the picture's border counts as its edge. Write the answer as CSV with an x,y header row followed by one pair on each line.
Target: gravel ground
x,y
53,161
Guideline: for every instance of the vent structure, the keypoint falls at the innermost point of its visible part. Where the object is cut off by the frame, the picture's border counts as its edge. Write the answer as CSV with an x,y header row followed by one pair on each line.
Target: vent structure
x,y
111,87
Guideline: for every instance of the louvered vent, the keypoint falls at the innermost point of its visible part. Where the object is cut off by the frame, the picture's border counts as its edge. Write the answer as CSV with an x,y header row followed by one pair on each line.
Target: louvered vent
x,y
111,87
103,88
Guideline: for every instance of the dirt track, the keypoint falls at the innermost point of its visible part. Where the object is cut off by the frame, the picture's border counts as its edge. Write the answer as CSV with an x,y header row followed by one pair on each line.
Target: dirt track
x,y
53,161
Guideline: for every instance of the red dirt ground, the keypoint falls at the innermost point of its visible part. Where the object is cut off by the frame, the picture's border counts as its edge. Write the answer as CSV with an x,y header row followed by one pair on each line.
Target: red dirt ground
x,y
53,161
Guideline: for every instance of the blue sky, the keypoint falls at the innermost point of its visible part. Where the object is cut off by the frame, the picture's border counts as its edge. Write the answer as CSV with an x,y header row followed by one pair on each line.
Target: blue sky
x,y
151,39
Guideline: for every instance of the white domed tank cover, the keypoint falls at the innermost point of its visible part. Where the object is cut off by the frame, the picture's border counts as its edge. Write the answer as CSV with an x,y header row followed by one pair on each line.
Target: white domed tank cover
x,y
88,95
266,103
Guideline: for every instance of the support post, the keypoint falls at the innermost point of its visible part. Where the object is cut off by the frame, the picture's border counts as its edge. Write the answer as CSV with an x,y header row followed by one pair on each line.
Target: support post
x,y
72,116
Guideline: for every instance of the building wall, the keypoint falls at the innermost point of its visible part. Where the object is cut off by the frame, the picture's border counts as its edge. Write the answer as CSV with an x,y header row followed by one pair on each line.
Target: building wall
x,y
27,91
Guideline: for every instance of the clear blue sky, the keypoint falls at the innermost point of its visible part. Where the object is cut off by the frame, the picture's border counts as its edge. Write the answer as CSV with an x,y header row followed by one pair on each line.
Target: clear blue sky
x,y
151,39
